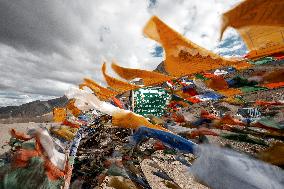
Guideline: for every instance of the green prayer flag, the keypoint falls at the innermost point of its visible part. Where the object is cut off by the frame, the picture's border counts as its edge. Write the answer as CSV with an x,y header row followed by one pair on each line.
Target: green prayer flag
x,y
151,101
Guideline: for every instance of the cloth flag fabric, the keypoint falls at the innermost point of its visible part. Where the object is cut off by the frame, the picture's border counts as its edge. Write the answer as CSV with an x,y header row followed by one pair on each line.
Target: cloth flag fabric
x,y
59,114
101,92
255,12
72,108
262,40
261,25
224,168
170,139
150,101
116,84
149,77
183,57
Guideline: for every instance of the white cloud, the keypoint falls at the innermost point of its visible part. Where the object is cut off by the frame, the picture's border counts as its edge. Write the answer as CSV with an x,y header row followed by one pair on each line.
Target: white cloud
x,y
231,45
47,46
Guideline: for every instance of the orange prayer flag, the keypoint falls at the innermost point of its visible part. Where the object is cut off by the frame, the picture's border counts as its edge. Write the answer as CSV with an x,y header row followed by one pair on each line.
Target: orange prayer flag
x,y
209,75
101,92
117,102
52,172
181,94
74,110
229,120
183,57
22,156
274,76
262,40
202,131
70,124
116,84
149,77
19,135
267,103
59,114
274,85
242,65
255,13
133,121
193,100
206,115
230,92
217,83
260,24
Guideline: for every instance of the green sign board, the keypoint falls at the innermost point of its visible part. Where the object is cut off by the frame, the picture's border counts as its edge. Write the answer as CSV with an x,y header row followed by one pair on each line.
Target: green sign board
x,y
150,101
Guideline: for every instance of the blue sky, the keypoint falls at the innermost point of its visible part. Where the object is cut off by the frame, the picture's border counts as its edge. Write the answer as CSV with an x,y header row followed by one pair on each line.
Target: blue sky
x,y
50,45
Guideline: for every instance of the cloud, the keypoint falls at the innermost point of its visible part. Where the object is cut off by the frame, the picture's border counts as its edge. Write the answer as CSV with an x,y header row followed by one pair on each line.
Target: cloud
x,y
231,45
3,87
47,46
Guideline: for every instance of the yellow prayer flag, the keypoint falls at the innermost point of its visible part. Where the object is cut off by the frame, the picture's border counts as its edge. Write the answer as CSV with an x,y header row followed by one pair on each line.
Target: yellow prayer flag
x,y
116,84
262,40
133,121
149,77
59,114
65,132
183,57
101,92
255,13
230,92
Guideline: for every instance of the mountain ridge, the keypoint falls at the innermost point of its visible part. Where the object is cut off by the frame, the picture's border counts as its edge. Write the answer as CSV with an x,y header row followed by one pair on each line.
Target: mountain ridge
x,y
31,110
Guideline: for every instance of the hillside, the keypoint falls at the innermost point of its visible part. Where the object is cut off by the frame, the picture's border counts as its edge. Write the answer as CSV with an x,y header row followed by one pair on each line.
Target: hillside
x,y
32,111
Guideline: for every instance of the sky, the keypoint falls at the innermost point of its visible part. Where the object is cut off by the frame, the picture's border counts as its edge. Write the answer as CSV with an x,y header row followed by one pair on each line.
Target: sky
x,y
48,46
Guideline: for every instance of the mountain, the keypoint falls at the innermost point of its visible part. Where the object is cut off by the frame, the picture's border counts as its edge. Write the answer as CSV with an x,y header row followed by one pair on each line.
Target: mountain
x,y
161,69
27,112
